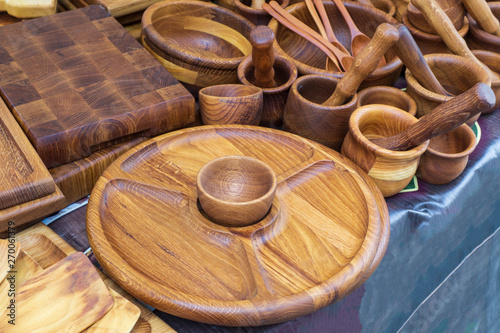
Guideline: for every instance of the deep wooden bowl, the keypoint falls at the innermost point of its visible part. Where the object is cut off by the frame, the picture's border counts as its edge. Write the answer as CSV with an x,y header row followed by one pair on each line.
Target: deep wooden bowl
x,y
311,60
456,13
492,60
446,156
479,39
231,104
256,16
387,96
431,43
456,74
201,44
391,170
285,73
306,116
236,191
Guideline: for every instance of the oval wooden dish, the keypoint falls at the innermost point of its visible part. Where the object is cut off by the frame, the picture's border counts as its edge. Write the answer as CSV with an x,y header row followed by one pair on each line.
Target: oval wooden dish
x,y
324,235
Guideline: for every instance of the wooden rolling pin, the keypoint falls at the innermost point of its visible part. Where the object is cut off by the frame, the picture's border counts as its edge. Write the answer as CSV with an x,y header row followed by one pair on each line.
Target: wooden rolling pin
x,y
481,12
442,119
262,39
364,64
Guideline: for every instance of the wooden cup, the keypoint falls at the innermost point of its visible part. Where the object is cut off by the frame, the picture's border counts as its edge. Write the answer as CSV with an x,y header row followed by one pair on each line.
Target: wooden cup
x,y
306,116
391,170
387,96
446,156
236,191
231,104
492,60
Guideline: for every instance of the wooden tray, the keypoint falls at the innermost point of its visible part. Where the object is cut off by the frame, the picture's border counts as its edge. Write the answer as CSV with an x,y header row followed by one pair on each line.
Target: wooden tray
x,y
78,82
325,234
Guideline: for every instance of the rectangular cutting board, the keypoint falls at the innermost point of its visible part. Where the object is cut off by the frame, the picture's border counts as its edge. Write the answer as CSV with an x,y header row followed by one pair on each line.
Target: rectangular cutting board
x,y
78,82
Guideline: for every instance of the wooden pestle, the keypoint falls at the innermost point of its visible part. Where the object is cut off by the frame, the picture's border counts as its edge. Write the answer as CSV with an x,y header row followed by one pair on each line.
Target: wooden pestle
x,y
442,119
364,63
481,12
408,51
262,39
438,19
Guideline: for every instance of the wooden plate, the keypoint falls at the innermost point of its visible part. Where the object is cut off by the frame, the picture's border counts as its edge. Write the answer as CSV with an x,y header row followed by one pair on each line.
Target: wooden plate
x,y
325,234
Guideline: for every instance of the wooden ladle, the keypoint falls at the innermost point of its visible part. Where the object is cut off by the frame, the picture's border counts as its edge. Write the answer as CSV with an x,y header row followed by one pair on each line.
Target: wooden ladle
x,y
358,39
262,38
443,118
408,51
364,63
481,12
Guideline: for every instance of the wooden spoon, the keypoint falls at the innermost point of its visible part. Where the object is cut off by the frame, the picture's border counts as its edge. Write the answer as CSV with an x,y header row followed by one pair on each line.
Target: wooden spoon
x,y
262,39
481,12
438,19
442,119
408,51
330,35
358,39
364,63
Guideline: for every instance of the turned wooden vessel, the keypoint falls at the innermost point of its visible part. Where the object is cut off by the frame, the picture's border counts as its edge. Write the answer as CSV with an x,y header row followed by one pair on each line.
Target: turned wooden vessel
x,y
446,156
311,60
201,44
387,96
478,39
492,60
325,233
231,104
257,16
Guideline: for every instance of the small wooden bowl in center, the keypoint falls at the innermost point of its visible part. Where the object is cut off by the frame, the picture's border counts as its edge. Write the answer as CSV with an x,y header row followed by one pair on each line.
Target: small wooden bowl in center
x,y
236,191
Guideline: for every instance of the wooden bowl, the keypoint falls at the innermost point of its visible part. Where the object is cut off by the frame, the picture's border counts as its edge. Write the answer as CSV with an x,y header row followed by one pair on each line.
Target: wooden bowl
x,y
431,43
236,191
387,96
456,13
256,16
479,39
201,44
456,74
306,116
387,6
447,155
311,60
285,73
492,60
391,170
231,104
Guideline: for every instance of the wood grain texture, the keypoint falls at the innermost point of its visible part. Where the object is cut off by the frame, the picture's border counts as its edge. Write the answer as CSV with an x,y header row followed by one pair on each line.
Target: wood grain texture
x,y
257,16
6,19
66,297
478,39
8,255
119,8
78,82
28,8
456,14
388,96
482,14
492,60
312,248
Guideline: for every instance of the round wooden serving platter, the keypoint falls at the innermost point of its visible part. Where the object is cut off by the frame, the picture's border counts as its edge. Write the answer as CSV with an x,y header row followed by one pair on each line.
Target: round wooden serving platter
x,y
325,234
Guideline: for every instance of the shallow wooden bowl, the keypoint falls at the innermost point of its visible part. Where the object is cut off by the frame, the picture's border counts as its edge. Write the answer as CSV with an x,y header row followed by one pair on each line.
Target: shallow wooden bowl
x,y
231,104
201,44
311,60
256,16
431,43
387,96
326,231
391,170
236,191
479,39
285,73
306,116
456,74
446,156
456,13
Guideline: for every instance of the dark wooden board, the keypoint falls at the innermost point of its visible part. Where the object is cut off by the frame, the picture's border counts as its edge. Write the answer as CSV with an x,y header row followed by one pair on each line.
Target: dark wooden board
x,y
78,82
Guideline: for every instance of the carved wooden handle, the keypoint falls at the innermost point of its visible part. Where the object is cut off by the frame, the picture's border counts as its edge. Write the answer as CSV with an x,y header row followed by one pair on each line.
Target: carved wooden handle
x,y
408,51
442,119
481,12
262,38
364,63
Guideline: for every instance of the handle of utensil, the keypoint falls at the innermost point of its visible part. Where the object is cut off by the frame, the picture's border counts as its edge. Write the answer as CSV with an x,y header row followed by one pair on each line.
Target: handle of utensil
x,y
330,35
443,118
345,14
481,12
262,39
312,10
408,51
364,63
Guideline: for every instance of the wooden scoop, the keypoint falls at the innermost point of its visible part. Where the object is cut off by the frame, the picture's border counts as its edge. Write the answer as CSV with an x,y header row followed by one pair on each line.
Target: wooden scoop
x,y
481,12
442,119
364,63
262,39
438,19
358,39
408,51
